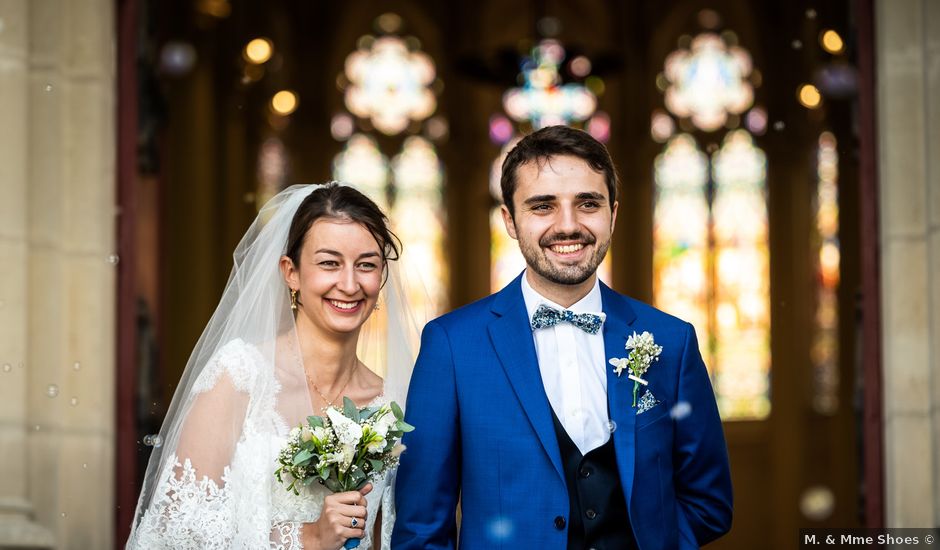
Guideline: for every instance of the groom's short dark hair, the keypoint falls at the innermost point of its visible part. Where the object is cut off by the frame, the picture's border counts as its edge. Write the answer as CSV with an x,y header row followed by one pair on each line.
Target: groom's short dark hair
x,y
557,141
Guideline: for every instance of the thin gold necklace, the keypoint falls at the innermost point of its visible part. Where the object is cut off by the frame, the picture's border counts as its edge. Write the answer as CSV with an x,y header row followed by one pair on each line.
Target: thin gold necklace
x,y
329,402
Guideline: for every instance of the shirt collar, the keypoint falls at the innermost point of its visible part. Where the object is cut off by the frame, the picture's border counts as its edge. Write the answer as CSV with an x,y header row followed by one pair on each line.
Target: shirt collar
x,y
591,303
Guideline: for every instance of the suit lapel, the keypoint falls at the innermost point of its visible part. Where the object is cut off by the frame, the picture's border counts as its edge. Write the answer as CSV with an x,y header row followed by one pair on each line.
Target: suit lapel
x,y
512,340
620,388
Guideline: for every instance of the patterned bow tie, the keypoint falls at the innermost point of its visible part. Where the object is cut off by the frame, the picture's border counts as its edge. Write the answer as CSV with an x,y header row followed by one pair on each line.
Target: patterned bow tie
x,y
546,317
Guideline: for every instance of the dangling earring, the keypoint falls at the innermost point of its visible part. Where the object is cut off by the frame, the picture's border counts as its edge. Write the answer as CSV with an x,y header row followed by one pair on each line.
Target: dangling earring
x,y
293,300
376,306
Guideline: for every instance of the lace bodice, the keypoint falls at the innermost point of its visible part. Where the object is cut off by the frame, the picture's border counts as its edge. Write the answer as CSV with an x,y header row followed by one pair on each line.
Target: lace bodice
x,y
244,507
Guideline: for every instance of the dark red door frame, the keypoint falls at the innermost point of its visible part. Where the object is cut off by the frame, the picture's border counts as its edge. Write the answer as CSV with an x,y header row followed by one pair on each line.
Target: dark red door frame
x,y
872,421
125,459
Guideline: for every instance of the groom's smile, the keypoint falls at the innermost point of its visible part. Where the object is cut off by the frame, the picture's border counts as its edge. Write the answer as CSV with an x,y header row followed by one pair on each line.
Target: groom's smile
x,y
563,221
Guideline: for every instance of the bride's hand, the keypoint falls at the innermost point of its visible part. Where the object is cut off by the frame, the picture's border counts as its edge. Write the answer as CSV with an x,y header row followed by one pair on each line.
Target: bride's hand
x,y
334,527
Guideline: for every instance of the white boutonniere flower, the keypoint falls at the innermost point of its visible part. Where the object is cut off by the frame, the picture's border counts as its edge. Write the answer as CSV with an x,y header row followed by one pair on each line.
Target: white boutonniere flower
x,y
643,352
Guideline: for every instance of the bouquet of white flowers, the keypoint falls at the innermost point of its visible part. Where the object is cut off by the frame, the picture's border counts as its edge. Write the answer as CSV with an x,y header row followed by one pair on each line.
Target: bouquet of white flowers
x,y
343,450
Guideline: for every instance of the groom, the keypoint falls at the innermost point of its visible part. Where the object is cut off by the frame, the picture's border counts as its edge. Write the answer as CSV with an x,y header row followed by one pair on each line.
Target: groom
x,y
519,413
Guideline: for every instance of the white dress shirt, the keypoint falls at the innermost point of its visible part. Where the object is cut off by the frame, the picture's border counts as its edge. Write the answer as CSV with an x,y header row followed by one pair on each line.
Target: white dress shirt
x,y
573,367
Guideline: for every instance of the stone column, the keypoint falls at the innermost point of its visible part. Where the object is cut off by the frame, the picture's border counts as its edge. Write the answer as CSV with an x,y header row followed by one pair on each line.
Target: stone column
x,y
908,84
17,528
57,233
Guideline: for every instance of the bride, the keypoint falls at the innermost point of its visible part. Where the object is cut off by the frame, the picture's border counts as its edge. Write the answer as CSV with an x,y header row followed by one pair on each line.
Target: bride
x,y
309,276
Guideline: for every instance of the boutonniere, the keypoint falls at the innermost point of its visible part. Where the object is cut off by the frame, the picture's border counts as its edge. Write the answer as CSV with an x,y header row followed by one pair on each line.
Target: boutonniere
x,y
643,352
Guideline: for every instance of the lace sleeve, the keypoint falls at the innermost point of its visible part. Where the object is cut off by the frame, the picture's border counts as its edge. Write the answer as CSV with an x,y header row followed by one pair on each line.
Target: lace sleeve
x,y
204,497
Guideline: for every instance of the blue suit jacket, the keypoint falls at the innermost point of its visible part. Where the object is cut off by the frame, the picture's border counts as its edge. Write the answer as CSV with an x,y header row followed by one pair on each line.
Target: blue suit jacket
x,y
484,434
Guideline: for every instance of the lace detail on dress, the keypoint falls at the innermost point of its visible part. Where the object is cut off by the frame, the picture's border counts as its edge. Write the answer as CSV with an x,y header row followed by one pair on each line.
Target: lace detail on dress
x,y
286,536
237,359
193,513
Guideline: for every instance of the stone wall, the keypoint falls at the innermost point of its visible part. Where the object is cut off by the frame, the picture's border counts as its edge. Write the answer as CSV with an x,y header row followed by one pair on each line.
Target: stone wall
x,y
908,88
58,277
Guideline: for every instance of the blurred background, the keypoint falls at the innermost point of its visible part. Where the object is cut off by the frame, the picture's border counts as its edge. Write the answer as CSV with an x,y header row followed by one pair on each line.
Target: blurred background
x,y
780,190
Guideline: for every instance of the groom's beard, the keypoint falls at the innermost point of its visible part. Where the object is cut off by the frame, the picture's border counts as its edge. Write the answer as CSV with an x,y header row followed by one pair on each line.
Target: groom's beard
x,y
537,259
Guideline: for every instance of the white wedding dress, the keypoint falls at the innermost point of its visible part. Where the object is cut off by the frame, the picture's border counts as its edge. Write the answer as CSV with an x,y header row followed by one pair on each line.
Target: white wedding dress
x,y
230,499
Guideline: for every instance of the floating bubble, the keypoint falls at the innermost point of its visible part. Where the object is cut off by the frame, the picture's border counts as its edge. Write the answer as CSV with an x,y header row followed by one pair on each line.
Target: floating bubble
x,y
811,13
52,390
48,87
113,259
779,125
177,58
499,529
73,401
76,366
84,465
7,367
153,440
797,44
681,410
37,427
817,503
612,426
64,514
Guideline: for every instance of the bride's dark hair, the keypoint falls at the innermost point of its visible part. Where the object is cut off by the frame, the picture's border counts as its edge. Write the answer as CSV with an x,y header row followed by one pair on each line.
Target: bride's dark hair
x,y
343,203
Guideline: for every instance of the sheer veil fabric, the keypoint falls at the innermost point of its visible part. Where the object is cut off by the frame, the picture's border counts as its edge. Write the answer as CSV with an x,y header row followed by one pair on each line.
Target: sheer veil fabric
x,y
210,484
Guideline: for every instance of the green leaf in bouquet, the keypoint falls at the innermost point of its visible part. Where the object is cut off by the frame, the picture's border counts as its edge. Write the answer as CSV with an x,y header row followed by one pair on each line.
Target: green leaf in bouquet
x,y
356,478
315,421
302,456
350,410
309,480
403,426
377,465
396,410
368,412
333,485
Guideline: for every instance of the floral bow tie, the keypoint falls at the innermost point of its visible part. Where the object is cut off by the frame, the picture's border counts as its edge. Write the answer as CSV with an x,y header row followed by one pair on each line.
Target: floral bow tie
x,y
546,317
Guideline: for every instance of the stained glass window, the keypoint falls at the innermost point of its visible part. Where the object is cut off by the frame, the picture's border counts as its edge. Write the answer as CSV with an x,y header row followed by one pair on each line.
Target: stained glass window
x,y
741,272
711,262
825,346
418,218
680,234
362,165
389,84
711,258
542,100
708,81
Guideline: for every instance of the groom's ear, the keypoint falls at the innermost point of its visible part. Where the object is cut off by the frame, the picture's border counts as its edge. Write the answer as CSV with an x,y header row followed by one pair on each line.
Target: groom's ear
x,y
508,221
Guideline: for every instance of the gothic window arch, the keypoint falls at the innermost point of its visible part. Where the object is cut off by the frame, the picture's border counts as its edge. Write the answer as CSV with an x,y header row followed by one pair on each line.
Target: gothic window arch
x,y
390,88
711,256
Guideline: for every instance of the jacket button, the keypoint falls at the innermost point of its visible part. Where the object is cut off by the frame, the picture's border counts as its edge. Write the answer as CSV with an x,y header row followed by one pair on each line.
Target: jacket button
x,y
591,514
559,523
585,473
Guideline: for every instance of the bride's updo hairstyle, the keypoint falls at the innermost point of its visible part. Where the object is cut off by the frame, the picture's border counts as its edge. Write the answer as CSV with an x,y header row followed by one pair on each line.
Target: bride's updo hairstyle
x,y
340,202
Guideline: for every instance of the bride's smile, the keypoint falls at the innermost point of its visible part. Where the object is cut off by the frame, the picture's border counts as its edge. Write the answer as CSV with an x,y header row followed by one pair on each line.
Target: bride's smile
x,y
339,276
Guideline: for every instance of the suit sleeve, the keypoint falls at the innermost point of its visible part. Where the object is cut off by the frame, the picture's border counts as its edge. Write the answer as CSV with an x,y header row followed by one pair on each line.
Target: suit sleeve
x,y
702,474
428,486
